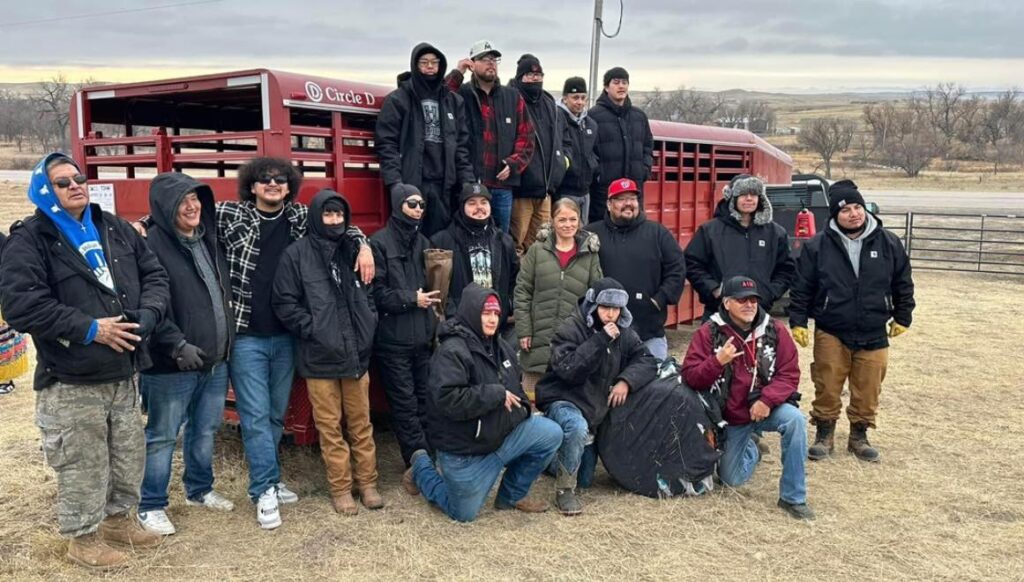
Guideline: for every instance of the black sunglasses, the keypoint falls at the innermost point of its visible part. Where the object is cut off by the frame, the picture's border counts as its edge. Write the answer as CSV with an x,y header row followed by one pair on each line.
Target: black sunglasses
x,y
65,182
279,179
416,204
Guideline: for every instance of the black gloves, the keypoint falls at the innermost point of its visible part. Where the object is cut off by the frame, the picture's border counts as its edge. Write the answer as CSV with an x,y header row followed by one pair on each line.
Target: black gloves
x,y
189,358
145,318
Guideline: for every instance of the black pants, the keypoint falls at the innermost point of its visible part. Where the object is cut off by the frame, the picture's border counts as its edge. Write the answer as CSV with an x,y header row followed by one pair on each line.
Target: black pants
x,y
405,373
438,213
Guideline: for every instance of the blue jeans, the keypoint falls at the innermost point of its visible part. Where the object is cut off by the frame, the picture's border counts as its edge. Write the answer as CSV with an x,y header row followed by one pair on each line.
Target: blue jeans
x,y
741,457
658,346
262,369
192,399
575,434
467,479
501,207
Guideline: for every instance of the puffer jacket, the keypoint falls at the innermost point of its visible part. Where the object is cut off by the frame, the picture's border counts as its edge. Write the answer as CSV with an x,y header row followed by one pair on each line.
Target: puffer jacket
x,y
625,146
546,294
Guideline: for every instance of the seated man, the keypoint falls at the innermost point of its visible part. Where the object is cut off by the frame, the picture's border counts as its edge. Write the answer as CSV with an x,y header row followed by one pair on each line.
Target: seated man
x,y
592,351
479,419
748,361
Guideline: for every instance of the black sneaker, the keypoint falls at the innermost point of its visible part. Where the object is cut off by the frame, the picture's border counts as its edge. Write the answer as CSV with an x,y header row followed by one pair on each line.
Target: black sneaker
x,y
797,510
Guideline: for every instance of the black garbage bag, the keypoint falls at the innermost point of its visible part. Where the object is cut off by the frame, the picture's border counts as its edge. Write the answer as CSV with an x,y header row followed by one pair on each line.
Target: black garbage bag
x,y
656,443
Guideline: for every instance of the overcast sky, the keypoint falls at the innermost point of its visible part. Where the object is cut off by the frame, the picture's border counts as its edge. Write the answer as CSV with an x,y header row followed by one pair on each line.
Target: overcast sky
x,y
773,45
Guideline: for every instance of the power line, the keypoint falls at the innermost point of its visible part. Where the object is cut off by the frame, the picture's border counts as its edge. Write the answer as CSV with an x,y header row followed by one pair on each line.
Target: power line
x,y
110,13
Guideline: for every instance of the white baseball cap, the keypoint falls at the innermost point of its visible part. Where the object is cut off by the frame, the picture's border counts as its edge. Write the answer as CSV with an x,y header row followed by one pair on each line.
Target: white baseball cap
x,y
481,48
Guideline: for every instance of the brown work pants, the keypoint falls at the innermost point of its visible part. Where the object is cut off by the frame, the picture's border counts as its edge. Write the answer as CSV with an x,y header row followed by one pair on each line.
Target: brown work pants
x,y
348,400
833,364
528,214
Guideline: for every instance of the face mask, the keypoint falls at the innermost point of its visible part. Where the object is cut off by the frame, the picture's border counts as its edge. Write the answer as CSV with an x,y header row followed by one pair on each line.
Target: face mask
x,y
532,90
335,232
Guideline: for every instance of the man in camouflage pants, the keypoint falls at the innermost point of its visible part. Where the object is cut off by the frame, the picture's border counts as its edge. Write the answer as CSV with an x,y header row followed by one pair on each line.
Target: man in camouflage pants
x,y
89,291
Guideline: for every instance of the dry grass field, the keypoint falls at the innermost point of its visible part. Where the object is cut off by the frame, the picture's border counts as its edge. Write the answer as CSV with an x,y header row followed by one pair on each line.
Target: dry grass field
x,y
945,503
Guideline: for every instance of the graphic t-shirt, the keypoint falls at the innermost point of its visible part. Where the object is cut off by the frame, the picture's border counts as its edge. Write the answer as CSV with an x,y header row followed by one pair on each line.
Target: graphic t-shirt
x,y
433,143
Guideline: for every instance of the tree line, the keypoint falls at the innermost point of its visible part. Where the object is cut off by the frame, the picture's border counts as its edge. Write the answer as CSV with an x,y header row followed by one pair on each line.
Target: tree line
x,y
37,120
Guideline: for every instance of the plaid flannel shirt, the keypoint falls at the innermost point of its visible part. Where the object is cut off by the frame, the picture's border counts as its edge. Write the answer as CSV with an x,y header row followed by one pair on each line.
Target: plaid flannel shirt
x,y
238,231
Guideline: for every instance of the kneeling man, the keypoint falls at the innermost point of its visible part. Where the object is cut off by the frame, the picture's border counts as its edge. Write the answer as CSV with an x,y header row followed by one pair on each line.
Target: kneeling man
x,y
749,362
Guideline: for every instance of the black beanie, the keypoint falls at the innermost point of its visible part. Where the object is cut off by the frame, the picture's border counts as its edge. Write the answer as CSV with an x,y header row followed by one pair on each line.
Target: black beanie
x,y
615,73
574,85
842,193
334,205
528,64
471,189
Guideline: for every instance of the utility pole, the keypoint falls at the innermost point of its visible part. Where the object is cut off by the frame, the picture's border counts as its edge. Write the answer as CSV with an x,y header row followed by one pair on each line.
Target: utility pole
x,y
595,49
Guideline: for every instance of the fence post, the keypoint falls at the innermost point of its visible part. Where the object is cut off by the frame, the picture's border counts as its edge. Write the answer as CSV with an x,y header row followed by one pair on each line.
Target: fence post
x,y
981,242
908,231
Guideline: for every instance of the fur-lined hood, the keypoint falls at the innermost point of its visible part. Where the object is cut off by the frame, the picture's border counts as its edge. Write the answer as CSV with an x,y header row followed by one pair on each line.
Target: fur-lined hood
x,y
586,241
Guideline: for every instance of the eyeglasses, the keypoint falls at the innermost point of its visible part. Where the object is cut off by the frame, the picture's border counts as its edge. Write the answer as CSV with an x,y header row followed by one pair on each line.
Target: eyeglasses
x,y
745,300
489,60
416,204
278,179
428,62
66,182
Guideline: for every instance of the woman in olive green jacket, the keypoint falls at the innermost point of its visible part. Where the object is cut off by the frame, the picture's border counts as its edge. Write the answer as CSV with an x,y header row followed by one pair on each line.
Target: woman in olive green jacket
x,y
555,272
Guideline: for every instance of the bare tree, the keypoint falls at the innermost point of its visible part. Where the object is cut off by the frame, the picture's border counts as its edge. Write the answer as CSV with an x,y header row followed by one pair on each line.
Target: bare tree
x,y
53,103
683,105
950,111
903,136
826,136
1001,130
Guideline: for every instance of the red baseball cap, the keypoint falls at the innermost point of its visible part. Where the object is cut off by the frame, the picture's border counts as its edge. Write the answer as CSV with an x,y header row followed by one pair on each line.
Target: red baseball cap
x,y
622,186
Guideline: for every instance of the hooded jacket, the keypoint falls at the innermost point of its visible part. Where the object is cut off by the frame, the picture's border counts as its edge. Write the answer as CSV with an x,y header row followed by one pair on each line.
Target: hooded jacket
x,y
398,253
547,167
646,258
625,147
49,291
582,133
469,376
586,363
546,294
702,371
400,129
462,234
321,301
190,315
853,307
723,248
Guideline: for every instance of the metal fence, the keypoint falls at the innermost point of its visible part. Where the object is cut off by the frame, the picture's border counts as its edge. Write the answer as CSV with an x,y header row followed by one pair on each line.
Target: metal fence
x,y
978,243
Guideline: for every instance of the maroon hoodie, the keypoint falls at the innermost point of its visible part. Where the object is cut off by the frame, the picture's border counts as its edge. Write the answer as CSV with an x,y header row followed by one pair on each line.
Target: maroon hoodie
x,y
701,367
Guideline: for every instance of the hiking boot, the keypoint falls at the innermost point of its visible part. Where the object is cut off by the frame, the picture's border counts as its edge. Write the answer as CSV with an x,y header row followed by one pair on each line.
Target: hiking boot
x,y
92,552
125,530
797,510
567,502
859,445
526,505
156,521
286,495
212,500
371,498
345,504
408,483
762,447
824,441
268,514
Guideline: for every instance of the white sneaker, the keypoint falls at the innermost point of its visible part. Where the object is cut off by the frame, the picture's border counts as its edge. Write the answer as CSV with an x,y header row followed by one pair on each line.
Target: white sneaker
x,y
155,521
267,513
213,500
286,495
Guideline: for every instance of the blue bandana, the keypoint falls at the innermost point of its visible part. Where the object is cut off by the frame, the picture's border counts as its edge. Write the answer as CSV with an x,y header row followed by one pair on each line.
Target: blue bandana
x,y
81,234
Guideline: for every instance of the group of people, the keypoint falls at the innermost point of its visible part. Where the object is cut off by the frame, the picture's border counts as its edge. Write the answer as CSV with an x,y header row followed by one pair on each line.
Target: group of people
x,y
501,355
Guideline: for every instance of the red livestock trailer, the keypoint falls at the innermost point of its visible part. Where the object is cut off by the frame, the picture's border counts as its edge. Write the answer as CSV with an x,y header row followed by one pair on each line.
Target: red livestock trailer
x,y
209,125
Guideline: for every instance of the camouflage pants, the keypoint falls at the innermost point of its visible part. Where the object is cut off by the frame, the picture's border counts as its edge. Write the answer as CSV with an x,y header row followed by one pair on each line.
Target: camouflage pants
x,y
93,438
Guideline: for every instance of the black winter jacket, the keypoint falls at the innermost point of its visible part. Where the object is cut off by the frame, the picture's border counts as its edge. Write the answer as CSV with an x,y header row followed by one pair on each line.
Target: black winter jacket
x,y
646,258
48,290
399,132
466,400
189,314
625,147
723,248
458,238
334,320
546,170
584,165
506,103
854,309
586,363
400,270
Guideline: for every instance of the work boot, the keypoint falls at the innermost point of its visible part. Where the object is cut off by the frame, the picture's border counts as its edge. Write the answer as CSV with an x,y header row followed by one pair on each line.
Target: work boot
x,y
345,504
567,502
797,510
526,505
92,552
125,530
824,441
859,445
371,498
409,484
